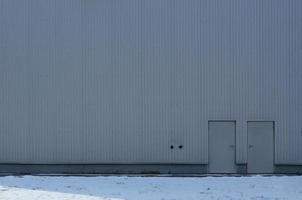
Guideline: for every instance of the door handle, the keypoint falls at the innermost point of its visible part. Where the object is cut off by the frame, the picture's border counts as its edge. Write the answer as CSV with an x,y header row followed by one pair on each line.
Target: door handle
x,y
251,146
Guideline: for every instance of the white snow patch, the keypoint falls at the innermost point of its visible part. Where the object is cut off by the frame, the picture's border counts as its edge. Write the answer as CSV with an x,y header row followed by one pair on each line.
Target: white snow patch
x,y
145,188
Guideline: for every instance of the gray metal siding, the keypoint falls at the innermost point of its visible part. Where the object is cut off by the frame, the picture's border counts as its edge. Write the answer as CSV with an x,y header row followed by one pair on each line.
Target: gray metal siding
x,y
108,81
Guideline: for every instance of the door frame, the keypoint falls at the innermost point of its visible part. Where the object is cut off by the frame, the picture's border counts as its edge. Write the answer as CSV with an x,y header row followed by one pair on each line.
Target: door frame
x,y
235,139
247,141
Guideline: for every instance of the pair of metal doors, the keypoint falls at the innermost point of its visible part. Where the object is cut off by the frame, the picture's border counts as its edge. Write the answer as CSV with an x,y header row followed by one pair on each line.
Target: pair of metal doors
x,y
222,147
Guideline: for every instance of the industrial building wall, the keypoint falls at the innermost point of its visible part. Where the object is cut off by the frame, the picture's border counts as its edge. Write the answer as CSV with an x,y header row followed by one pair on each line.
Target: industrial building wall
x,y
108,81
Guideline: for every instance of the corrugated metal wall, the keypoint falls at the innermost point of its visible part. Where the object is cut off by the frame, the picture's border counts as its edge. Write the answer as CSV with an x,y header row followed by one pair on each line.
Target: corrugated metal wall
x,y
109,81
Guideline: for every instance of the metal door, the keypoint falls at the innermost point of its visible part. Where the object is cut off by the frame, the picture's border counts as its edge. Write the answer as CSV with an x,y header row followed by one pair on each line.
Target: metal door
x,y
222,147
260,147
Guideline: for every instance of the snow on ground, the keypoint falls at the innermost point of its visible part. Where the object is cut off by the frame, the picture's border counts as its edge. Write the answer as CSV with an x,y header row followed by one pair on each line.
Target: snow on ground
x,y
145,188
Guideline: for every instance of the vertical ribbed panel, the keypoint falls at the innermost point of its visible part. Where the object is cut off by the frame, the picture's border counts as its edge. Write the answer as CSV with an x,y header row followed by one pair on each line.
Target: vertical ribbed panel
x,y
108,81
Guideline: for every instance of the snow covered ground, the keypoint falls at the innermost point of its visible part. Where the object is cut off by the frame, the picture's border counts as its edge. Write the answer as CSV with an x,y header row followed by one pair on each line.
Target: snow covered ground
x,y
144,188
